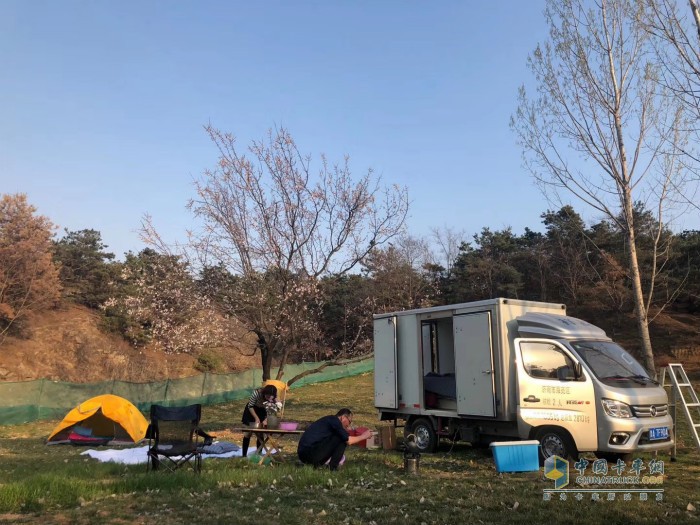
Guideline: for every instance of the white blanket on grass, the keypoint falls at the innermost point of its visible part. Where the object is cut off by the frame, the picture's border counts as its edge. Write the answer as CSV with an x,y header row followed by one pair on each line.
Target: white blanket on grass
x,y
134,456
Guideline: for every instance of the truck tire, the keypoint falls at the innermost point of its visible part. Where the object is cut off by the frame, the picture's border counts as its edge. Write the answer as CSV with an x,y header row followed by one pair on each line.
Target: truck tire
x,y
555,442
426,437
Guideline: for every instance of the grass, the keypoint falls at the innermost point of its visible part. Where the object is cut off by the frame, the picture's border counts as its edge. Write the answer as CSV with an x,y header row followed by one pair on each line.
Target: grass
x,y
459,484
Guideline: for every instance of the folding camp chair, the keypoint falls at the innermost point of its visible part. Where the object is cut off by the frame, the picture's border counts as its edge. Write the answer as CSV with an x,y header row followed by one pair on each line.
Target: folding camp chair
x,y
173,437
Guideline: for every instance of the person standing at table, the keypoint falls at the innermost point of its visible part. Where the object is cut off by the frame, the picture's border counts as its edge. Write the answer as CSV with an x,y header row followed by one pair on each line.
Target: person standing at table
x,y
324,441
255,414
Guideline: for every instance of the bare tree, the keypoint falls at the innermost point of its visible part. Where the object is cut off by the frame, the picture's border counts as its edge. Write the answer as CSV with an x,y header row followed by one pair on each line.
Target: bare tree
x,y
602,127
448,241
415,251
273,221
676,39
680,58
398,278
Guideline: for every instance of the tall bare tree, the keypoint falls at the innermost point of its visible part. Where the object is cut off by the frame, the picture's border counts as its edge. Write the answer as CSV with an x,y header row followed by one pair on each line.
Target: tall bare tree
x,y
602,127
281,225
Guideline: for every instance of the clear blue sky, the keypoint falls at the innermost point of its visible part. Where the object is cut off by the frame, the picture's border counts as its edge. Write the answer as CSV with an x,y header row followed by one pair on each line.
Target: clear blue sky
x,y
102,103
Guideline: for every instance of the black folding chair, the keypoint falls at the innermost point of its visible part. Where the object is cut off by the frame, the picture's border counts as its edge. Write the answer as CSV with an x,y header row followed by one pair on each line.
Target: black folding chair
x,y
173,438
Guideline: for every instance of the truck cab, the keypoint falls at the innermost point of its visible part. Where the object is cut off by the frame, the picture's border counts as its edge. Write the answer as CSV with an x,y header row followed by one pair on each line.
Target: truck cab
x,y
572,379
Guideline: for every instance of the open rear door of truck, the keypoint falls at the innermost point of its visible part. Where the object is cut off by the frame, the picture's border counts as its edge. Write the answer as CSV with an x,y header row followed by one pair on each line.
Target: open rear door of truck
x,y
385,371
476,394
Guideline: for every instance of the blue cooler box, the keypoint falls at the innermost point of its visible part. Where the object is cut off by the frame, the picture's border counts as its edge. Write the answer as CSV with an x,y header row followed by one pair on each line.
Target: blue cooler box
x,y
516,456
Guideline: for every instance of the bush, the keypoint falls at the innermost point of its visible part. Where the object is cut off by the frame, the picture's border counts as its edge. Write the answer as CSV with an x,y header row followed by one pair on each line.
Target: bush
x,y
208,362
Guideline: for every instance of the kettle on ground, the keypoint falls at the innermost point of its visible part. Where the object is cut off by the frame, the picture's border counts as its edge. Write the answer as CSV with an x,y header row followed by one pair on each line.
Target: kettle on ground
x,y
411,455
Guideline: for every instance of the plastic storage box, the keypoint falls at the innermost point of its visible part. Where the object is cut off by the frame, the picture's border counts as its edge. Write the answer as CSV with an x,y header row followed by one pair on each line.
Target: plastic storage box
x,y
516,456
358,432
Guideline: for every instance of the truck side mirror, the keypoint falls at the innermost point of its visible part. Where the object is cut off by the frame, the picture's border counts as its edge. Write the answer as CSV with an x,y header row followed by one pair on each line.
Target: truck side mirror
x,y
567,373
578,371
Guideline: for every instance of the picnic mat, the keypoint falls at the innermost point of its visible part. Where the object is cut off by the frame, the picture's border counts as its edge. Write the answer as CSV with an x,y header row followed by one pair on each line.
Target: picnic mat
x,y
134,456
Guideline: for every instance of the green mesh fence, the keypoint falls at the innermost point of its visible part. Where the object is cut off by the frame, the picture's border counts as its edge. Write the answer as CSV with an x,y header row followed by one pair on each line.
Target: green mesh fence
x,y
43,399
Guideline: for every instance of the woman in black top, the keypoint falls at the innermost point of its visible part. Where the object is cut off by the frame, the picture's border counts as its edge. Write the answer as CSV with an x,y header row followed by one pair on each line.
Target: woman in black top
x,y
254,413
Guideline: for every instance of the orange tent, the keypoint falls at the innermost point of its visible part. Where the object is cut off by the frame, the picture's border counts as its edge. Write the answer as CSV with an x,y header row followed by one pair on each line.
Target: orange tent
x,y
106,416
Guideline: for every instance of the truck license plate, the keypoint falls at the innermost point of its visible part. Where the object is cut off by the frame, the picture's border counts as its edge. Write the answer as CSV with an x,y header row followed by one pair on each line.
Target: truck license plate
x,y
658,433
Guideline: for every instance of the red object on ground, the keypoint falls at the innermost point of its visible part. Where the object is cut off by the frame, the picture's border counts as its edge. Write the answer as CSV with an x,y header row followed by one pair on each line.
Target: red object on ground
x,y
358,432
77,439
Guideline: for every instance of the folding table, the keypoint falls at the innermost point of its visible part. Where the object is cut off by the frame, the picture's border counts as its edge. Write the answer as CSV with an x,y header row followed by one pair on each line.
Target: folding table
x,y
269,441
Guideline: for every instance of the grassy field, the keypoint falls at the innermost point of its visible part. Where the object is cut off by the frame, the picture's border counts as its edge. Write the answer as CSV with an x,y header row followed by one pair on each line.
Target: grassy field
x,y
459,484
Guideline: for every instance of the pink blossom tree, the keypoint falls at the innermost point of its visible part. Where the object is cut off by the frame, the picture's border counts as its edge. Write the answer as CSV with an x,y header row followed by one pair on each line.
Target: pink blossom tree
x,y
279,226
165,306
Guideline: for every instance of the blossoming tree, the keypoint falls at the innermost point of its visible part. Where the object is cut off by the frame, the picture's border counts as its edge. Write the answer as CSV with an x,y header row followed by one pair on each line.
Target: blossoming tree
x,y
278,225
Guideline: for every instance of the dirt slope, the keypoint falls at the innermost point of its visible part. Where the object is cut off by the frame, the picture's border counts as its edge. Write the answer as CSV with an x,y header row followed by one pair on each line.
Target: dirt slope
x,y
68,345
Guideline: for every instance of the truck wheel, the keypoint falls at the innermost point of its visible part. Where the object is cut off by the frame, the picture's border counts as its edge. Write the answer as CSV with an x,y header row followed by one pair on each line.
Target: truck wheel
x,y
555,442
426,438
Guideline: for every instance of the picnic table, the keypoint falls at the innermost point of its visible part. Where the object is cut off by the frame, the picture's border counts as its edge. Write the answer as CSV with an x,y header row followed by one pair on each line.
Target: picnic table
x,y
269,441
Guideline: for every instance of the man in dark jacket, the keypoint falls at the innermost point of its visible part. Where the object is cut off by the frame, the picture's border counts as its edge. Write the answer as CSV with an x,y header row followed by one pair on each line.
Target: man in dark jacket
x,y
325,440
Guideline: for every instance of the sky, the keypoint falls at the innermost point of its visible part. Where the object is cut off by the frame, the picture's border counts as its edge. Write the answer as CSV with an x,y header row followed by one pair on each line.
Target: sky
x,y
103,103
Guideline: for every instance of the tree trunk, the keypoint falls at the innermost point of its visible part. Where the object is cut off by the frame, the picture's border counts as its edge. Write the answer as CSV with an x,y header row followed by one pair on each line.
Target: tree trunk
x,y
267,367
265,355
638,297
283,363
627,201
696,14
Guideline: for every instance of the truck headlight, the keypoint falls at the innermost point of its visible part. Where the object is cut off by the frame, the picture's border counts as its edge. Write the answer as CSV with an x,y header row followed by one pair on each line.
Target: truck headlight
x,y
616,408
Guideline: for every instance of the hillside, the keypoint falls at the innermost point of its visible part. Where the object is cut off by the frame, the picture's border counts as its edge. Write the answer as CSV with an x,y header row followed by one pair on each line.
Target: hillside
x,y
68,345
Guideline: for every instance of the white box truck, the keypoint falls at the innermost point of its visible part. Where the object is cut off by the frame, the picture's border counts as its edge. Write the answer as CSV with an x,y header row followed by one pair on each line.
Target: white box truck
x,y
502,368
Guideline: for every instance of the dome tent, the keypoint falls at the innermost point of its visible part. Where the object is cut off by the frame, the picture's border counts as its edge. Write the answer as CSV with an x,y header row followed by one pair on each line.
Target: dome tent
x,y
100,420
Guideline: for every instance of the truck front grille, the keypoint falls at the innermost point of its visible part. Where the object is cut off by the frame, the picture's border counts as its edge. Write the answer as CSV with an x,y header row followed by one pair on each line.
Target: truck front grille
x,y
650,410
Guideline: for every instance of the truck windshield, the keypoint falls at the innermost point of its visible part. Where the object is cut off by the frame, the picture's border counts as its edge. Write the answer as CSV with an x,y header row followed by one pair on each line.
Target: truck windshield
x,y
611,363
